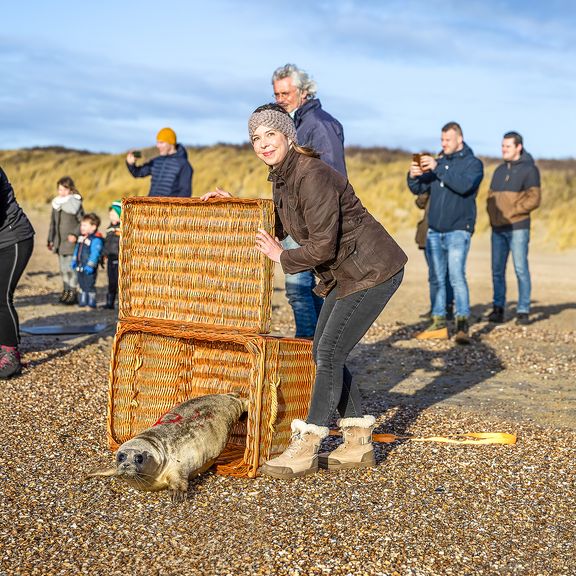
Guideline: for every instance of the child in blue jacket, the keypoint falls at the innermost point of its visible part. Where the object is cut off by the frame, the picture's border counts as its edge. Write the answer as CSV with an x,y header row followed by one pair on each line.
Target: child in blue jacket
x,y
86,258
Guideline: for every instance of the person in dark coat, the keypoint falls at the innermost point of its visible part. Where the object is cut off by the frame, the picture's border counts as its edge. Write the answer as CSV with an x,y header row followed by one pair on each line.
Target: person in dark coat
x,y
359,266
452,180
295,91
16,245
514,193
111,252
171,172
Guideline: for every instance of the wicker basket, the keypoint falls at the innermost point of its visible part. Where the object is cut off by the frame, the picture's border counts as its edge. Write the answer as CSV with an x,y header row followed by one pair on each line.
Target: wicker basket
x,y
190,261
157,365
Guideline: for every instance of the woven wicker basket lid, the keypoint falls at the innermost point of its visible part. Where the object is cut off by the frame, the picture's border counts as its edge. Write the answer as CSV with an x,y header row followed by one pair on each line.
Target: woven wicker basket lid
x,y
195,262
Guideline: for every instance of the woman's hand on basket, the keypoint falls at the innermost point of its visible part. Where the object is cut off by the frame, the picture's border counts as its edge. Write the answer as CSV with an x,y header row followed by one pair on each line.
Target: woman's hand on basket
x,y
218,193
269,246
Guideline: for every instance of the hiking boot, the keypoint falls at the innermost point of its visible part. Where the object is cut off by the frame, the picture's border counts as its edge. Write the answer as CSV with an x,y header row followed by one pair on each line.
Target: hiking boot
x,y
301,457
436,331
110,300
497,315
63,296
356,451
461,336
522,319
70,297
10,364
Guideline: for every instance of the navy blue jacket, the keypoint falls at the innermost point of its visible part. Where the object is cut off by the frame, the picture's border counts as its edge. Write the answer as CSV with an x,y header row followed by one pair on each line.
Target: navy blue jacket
x,y
171,175
453,187
317,129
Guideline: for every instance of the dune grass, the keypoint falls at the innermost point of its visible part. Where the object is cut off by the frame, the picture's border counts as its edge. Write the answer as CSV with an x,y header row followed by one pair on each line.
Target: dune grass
x,y
377,174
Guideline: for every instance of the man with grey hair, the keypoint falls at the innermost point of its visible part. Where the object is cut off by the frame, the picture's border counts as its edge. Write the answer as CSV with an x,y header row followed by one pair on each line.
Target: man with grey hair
x,y
295,91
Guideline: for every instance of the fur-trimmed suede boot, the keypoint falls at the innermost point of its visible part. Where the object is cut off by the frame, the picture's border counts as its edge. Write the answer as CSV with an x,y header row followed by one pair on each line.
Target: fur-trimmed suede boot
x,y
356,451
301,457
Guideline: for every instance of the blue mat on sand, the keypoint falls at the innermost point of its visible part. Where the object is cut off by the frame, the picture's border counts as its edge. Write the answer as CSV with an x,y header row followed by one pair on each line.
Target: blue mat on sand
x,y
62,329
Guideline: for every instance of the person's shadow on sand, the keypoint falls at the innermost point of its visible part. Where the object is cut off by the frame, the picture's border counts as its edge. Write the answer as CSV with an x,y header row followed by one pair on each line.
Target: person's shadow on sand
x,y
444,369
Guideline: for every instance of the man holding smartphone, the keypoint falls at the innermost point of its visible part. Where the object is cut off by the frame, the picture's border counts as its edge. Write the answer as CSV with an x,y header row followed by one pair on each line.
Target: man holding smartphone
x,y
171,172
452,180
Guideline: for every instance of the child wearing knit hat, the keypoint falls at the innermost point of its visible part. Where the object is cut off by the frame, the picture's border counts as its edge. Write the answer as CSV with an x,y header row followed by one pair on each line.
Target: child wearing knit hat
x,y
111,251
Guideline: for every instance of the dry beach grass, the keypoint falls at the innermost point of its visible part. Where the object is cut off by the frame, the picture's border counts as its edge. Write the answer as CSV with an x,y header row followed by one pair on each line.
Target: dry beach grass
x,y
426,509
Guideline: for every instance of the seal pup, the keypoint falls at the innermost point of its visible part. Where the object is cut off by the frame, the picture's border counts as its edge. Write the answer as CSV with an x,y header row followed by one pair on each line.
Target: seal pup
x,y
182,444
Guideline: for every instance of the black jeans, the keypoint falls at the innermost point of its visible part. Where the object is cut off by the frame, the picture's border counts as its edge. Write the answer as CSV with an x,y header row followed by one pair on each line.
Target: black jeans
x,y
341,325
13,260
112,269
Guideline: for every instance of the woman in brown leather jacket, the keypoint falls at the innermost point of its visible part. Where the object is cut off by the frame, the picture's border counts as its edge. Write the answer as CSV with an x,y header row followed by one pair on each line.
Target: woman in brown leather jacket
x,y
359,266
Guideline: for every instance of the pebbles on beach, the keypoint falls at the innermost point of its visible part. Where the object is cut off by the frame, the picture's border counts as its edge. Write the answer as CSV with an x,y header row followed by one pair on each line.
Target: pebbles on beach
x,y
426,509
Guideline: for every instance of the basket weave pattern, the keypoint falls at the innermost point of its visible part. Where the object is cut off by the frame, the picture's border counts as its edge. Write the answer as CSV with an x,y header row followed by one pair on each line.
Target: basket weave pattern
x,y
192,261
194,300
156,366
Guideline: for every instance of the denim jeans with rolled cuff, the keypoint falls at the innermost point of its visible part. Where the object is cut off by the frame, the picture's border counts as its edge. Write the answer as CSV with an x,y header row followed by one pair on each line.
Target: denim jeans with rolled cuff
x,y
504,242
305,304
341,325
448,252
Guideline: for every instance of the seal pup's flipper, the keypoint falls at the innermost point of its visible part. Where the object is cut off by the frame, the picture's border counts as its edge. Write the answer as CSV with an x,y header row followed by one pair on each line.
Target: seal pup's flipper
x,y
101,472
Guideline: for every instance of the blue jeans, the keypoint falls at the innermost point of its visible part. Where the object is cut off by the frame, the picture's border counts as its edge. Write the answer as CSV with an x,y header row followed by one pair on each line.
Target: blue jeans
x,y
341,325
448,252
515,241
305,304
432,282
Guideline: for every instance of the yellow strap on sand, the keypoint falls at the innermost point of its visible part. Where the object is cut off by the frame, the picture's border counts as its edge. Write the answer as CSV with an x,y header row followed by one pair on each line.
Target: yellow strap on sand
x,y
468,438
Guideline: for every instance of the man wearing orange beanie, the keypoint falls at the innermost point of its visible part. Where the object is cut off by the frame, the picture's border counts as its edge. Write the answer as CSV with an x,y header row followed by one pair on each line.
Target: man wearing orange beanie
x,y
171,172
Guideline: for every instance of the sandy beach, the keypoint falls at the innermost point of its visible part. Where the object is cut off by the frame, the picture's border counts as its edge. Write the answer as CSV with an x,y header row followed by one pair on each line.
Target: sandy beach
x,y
426,509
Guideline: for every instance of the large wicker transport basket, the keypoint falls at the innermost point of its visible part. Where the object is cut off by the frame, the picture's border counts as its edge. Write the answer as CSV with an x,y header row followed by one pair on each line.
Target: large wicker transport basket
x,y
190,261
157,365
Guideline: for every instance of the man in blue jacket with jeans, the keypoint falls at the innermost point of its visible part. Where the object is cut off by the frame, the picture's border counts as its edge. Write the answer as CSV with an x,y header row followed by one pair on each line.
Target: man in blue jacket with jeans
x,y
295,91
452,180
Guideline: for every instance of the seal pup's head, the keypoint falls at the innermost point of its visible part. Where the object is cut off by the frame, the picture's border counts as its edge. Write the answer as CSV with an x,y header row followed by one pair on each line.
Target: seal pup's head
x,y
139,462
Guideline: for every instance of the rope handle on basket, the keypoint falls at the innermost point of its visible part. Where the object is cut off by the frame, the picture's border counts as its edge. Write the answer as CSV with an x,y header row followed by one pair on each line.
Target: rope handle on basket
x,y
468,438
273,403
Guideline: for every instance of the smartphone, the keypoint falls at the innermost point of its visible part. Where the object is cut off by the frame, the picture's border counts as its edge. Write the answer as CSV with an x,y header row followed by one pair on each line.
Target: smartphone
x,y
137,153
416,158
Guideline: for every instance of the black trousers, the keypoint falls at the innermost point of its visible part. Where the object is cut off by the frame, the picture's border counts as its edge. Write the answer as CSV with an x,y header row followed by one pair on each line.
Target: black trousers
x,y
13,260
112,269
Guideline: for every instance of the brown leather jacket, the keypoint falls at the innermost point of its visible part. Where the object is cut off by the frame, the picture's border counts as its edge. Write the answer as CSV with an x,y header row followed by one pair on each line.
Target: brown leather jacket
x,y
339,239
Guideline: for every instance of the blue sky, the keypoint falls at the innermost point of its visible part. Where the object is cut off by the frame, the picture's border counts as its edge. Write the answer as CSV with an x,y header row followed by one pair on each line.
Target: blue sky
x,y
105,76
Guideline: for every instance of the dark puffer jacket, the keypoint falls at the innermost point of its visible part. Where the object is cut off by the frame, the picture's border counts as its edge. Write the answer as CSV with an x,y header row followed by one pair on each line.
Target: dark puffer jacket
x,y
322,132
514,192
171,175
339,239
14,224
453,187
